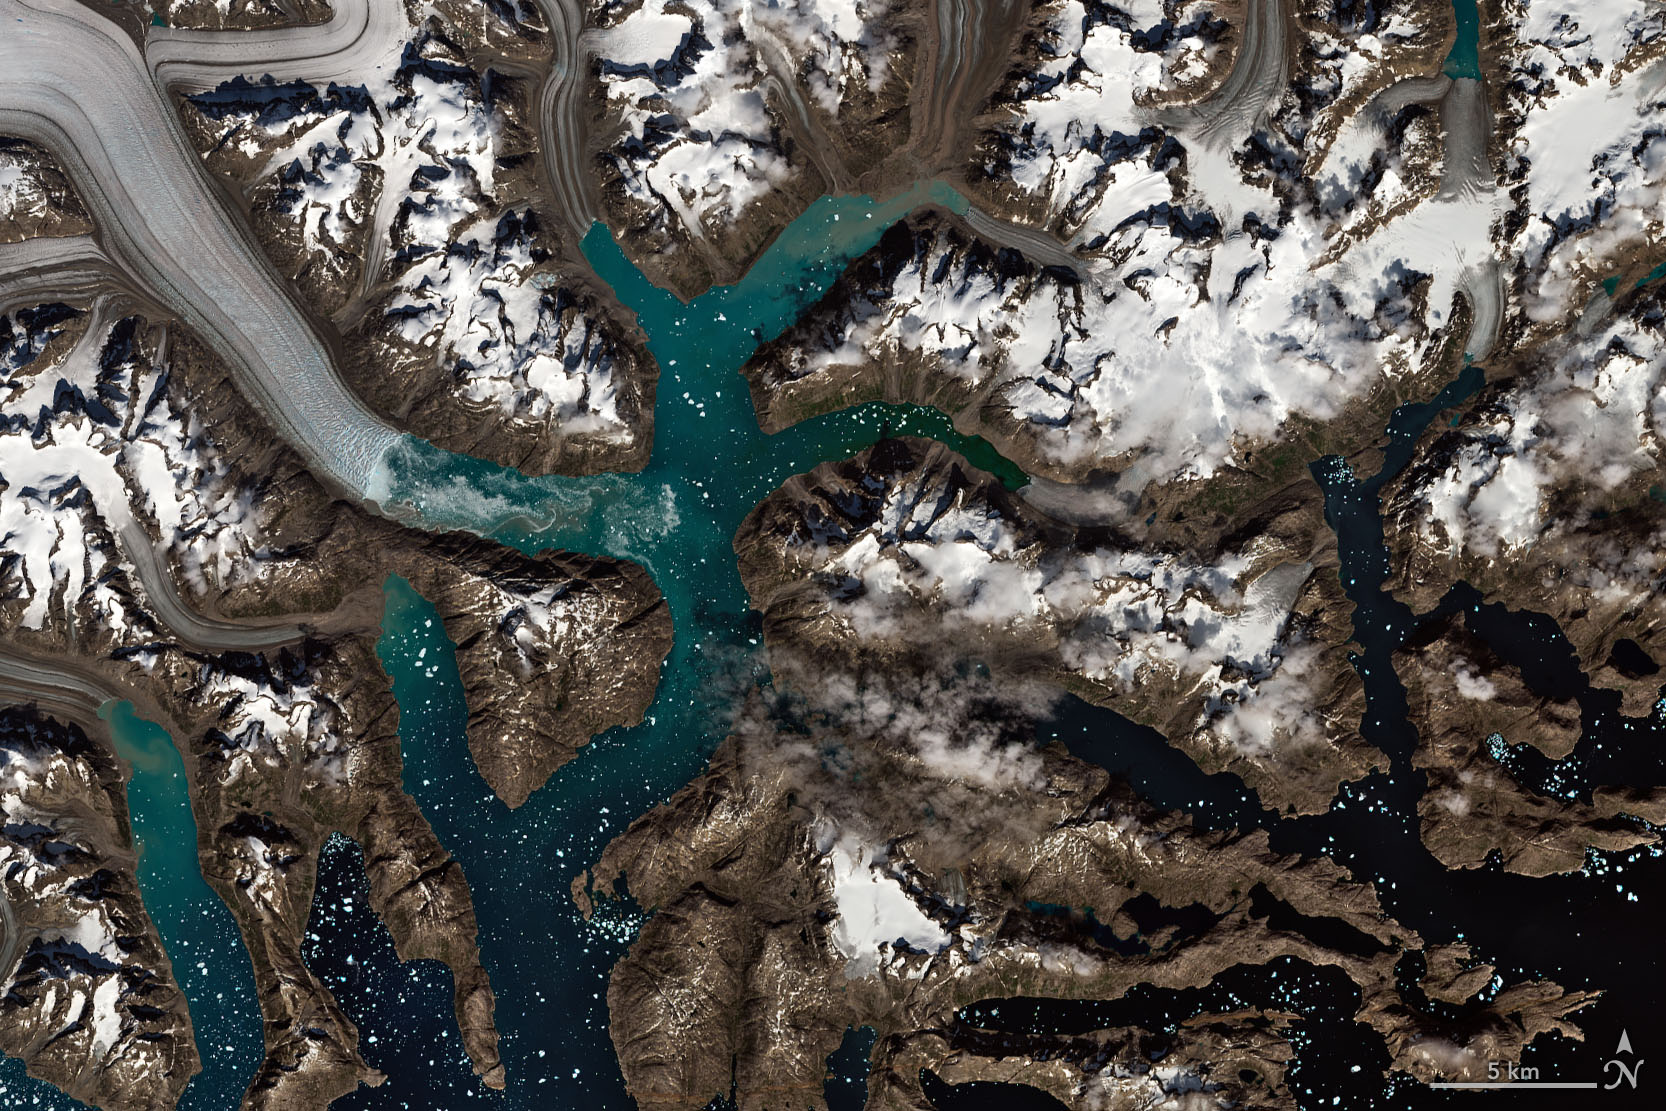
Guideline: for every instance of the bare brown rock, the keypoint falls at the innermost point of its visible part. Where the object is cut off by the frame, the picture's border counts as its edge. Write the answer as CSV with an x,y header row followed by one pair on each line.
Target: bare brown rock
x,y
287,743
553,648
748,972
872,139
356,264
1459,687
1581,537
536,693
42,202
1461,695
90,1002
804,551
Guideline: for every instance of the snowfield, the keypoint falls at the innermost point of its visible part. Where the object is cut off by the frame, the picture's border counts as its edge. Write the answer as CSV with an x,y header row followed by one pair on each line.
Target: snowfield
x,y
391,191
1121,617
875,910
691,87
513,341
1227,291
1535,464
1586,161
903,550
87,988
89,444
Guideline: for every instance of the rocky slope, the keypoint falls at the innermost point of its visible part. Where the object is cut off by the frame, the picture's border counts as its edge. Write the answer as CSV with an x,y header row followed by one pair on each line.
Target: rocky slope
x,y
1274,263
1469,704
814,879
121,439
1233,648
36,198
408,211
89,998
1542,495
718,121
215,15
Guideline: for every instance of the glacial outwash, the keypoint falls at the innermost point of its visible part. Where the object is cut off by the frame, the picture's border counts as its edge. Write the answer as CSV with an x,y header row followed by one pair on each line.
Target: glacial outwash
x,y
780,554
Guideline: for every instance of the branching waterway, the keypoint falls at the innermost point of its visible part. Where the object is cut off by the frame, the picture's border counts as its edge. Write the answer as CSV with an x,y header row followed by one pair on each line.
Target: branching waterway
x,y
710,466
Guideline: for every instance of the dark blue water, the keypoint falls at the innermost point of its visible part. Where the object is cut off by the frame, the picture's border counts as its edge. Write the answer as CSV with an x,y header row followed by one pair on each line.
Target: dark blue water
x,y
710,465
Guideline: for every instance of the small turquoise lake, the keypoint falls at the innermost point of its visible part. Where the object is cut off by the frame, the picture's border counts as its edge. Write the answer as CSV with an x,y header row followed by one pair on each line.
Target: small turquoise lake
x,y
201,938
1464,60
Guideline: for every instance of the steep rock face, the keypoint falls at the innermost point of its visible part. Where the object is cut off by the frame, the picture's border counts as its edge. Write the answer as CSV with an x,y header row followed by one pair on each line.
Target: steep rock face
x,y
89,1001
1123,1068
1170,66
408,212
1201,283
1233,648
719,121
1576,95
216,15
36,198
811,881
301,747
553,649
1468,705
122,513
157,530
1542,496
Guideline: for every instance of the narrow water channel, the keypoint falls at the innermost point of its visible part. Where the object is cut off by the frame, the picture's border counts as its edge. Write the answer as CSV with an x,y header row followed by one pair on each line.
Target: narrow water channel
x,y
201,938
198,932
710,465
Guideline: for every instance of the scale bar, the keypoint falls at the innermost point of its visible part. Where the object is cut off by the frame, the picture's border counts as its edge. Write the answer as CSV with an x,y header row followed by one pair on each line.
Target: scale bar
x,y
1520,1084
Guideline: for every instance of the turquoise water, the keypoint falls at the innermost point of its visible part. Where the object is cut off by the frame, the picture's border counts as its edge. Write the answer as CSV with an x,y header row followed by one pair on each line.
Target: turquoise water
x,y
202,941
710,466
709,458
197,930
1465,57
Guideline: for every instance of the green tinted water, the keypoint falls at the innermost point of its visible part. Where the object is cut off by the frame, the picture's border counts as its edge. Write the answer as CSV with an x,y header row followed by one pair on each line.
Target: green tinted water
x,y
197,930
1465,57
710,466
202,941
